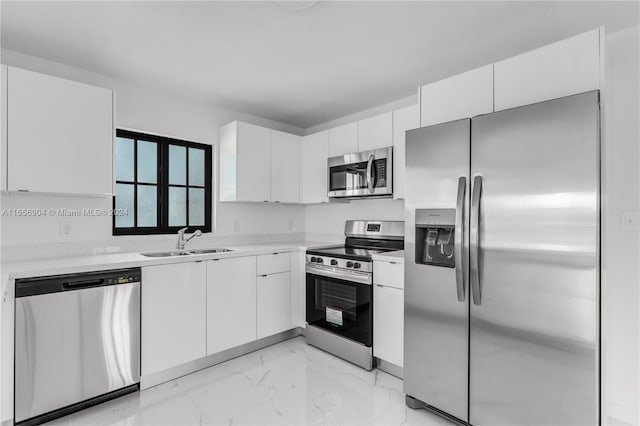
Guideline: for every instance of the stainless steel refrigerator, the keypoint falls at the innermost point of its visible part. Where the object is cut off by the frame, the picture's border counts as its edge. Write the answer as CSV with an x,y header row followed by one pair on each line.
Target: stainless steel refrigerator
x,y
502,265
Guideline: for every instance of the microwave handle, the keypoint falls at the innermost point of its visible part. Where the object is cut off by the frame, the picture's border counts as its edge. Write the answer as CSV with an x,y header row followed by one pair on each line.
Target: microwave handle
x,y
370,182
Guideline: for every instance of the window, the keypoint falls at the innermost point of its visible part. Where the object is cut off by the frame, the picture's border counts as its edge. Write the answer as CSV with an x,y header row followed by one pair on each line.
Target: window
x,y
162,185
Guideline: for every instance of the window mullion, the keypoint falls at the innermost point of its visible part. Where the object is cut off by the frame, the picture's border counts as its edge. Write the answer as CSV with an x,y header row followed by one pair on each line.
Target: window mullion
x,y
135,183
186,195
160,197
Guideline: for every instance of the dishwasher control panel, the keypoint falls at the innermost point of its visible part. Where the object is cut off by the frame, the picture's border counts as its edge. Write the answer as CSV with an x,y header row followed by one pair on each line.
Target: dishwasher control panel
x,y
69,282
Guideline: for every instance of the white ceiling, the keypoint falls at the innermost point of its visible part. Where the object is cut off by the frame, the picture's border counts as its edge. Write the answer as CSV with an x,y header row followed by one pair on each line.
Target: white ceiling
x,y
299,67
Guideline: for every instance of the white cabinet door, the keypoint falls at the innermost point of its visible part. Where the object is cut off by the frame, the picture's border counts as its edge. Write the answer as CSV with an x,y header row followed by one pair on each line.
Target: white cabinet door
x,y
245,162
231,303
254,163
461,96
403,119
298,284
560,69
343,139
388,324
314,154
274,303
59,135
375,132
285,167
174,315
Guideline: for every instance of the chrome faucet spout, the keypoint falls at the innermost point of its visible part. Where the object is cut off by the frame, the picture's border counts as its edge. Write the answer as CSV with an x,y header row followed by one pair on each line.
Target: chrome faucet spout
x,y
198,233
182,240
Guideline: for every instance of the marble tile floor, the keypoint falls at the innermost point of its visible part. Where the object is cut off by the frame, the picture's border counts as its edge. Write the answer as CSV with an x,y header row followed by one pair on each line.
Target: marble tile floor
x,y
290,383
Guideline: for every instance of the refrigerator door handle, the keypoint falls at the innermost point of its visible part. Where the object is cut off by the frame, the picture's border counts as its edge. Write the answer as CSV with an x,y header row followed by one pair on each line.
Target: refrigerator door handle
x,y
459,239
474,240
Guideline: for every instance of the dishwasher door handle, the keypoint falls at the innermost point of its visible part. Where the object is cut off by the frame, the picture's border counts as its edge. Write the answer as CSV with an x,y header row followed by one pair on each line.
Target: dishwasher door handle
x,y
83,283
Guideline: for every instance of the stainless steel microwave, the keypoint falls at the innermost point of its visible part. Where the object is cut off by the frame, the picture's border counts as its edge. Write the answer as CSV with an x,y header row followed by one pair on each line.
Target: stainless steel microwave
x,y
361,174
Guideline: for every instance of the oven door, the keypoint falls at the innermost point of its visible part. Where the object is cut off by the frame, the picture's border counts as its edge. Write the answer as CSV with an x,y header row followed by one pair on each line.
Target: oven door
x,y
340,306
367,173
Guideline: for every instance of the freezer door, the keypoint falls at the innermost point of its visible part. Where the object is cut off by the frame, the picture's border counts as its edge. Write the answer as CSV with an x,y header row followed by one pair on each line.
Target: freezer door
x,y
534,316
436,321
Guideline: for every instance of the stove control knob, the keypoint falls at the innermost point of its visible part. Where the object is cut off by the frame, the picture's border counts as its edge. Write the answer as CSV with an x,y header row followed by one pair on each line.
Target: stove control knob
x,y
312,260
334,262
349,264
319,260
357,265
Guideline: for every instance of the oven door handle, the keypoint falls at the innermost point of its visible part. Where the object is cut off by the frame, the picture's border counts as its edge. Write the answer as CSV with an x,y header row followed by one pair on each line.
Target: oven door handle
x,y
370,182
354,276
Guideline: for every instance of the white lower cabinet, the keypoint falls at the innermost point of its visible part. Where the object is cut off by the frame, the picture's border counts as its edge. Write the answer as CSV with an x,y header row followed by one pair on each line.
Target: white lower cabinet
x,y
231,303
194,309
173,315
274,303
388,311
388,324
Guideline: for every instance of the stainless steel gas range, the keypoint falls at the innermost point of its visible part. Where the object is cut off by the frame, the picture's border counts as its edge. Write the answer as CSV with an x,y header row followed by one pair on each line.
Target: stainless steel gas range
x,y
339,300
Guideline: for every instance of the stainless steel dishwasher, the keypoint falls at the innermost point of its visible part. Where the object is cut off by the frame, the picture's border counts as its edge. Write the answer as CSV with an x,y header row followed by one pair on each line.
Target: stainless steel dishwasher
x,y
77,342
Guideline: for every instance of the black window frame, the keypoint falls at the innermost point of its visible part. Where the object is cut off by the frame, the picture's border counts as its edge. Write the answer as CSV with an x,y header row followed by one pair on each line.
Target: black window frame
x,y
162,199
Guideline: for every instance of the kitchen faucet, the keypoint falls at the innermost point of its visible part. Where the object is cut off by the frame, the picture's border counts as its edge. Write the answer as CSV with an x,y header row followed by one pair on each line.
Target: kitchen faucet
x,y
182,240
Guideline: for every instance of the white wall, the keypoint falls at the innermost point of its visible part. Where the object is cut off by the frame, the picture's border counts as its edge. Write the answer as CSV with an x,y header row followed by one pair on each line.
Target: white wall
x,y
327,220
146,111
621,243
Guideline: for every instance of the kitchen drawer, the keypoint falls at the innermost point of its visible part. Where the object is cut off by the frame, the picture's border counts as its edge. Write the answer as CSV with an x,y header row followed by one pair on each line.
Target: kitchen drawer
x,y
390,274
274,263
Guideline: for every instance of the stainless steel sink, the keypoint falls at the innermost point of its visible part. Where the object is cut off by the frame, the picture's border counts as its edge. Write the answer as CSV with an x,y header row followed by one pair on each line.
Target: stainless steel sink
x,y
206,251
167,253
185,252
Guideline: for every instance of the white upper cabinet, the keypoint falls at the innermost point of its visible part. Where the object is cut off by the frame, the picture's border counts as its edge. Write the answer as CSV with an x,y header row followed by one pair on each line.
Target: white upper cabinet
x,y
375,132
231,303
564,68
173,315
59,135
343,139
403,119
285,167
313,172
245,162
461,96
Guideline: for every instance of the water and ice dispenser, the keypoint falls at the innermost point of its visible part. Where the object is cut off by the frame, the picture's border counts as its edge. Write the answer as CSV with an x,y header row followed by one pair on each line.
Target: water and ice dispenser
x,y
435,229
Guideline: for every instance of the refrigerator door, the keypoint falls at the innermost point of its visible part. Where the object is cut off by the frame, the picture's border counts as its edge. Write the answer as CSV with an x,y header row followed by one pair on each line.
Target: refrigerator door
x,y
436,320
534,342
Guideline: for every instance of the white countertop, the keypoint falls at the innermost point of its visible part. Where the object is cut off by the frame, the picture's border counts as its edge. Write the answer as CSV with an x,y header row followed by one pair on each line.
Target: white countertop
x,y
390,256
69,265
65,265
